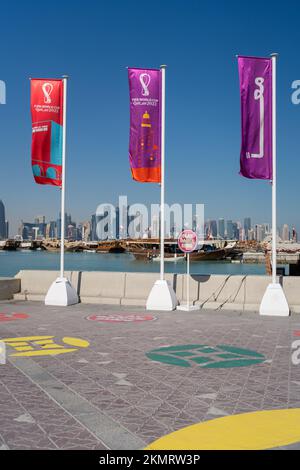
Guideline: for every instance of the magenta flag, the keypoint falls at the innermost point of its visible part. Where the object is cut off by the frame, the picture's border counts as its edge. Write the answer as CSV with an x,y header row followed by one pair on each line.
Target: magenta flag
x,y
255,75
145,124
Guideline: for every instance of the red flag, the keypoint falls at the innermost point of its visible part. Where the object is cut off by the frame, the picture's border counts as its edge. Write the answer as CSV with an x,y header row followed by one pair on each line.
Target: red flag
x,y
47,130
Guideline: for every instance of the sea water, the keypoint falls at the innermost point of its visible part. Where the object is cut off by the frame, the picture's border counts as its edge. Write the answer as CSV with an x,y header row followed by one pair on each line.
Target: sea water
x,y
13,261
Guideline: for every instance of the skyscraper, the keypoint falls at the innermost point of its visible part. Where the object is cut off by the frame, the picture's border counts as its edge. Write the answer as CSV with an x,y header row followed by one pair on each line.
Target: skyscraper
x,y
247,226
285,233
235,229
241,234
155,226
32,231
40,219
260,232
2,221
213,228
229,229
117,223
94,236
104,223
221,228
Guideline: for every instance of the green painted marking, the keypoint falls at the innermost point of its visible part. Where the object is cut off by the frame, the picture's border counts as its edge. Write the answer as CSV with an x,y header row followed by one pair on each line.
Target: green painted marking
x,y
201,360
220,357
229,356
175,361
183,353
233,363
241,351
207,350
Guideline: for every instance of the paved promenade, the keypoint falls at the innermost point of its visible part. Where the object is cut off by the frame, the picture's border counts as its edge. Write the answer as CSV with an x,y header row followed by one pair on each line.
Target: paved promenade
x,y
74,383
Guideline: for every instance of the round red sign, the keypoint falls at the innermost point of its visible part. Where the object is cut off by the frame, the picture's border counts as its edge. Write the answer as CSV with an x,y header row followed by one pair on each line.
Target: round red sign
x,y
13,316
133,317
187,241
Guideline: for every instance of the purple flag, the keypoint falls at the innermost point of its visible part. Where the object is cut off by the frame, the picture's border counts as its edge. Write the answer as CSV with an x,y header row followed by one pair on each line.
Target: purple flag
x,y
256,111
145,124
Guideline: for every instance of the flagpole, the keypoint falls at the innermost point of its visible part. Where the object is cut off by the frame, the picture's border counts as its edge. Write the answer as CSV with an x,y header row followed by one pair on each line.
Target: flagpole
x,y
162,184
162,295
63,180
274,130
61,291
274,301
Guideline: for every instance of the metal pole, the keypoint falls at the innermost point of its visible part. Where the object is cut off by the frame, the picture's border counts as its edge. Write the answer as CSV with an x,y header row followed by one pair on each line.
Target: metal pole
x,y
162,184
188,281
63,177
274,222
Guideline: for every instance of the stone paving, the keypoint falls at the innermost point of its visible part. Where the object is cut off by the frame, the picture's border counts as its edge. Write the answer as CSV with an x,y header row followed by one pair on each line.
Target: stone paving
x,y
110,395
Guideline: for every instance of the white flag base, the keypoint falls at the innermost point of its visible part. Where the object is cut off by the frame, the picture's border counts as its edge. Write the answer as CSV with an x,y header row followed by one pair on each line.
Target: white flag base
x,y
274,302
162,297
188,308
61,293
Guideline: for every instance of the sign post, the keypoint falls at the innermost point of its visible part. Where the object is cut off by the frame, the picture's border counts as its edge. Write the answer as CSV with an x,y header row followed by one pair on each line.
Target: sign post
x,y
187,242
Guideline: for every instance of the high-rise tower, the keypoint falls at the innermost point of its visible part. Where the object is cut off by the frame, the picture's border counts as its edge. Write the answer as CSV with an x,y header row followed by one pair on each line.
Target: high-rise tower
x,y
2,221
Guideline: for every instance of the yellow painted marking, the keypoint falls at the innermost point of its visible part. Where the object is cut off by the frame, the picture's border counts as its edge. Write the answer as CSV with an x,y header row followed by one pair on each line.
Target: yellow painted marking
x,y
45,344
26,338
253,431
81,343
47,352
24,348
44,341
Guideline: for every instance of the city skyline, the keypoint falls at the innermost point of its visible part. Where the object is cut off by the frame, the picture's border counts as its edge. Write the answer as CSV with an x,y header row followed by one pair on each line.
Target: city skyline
x,y
244,229
14,224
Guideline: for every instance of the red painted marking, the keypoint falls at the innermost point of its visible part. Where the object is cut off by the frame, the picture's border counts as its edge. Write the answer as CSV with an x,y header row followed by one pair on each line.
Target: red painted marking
x,y
11,317
121,318
297,333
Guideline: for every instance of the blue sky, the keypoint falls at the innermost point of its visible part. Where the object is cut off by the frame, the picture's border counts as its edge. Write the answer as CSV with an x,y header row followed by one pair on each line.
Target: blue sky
x,y
93,42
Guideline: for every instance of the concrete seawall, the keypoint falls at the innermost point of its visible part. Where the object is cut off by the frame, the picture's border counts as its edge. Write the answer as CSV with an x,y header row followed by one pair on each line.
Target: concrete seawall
x,y
209,291
9,287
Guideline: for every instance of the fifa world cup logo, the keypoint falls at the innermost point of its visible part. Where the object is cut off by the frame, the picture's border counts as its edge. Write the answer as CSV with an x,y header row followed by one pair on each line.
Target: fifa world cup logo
x,y
145,82
47,90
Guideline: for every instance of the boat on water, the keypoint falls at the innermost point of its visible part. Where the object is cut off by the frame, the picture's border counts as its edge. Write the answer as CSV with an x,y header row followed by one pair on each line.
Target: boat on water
x,y
173,258
208,252
151,255
25,245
